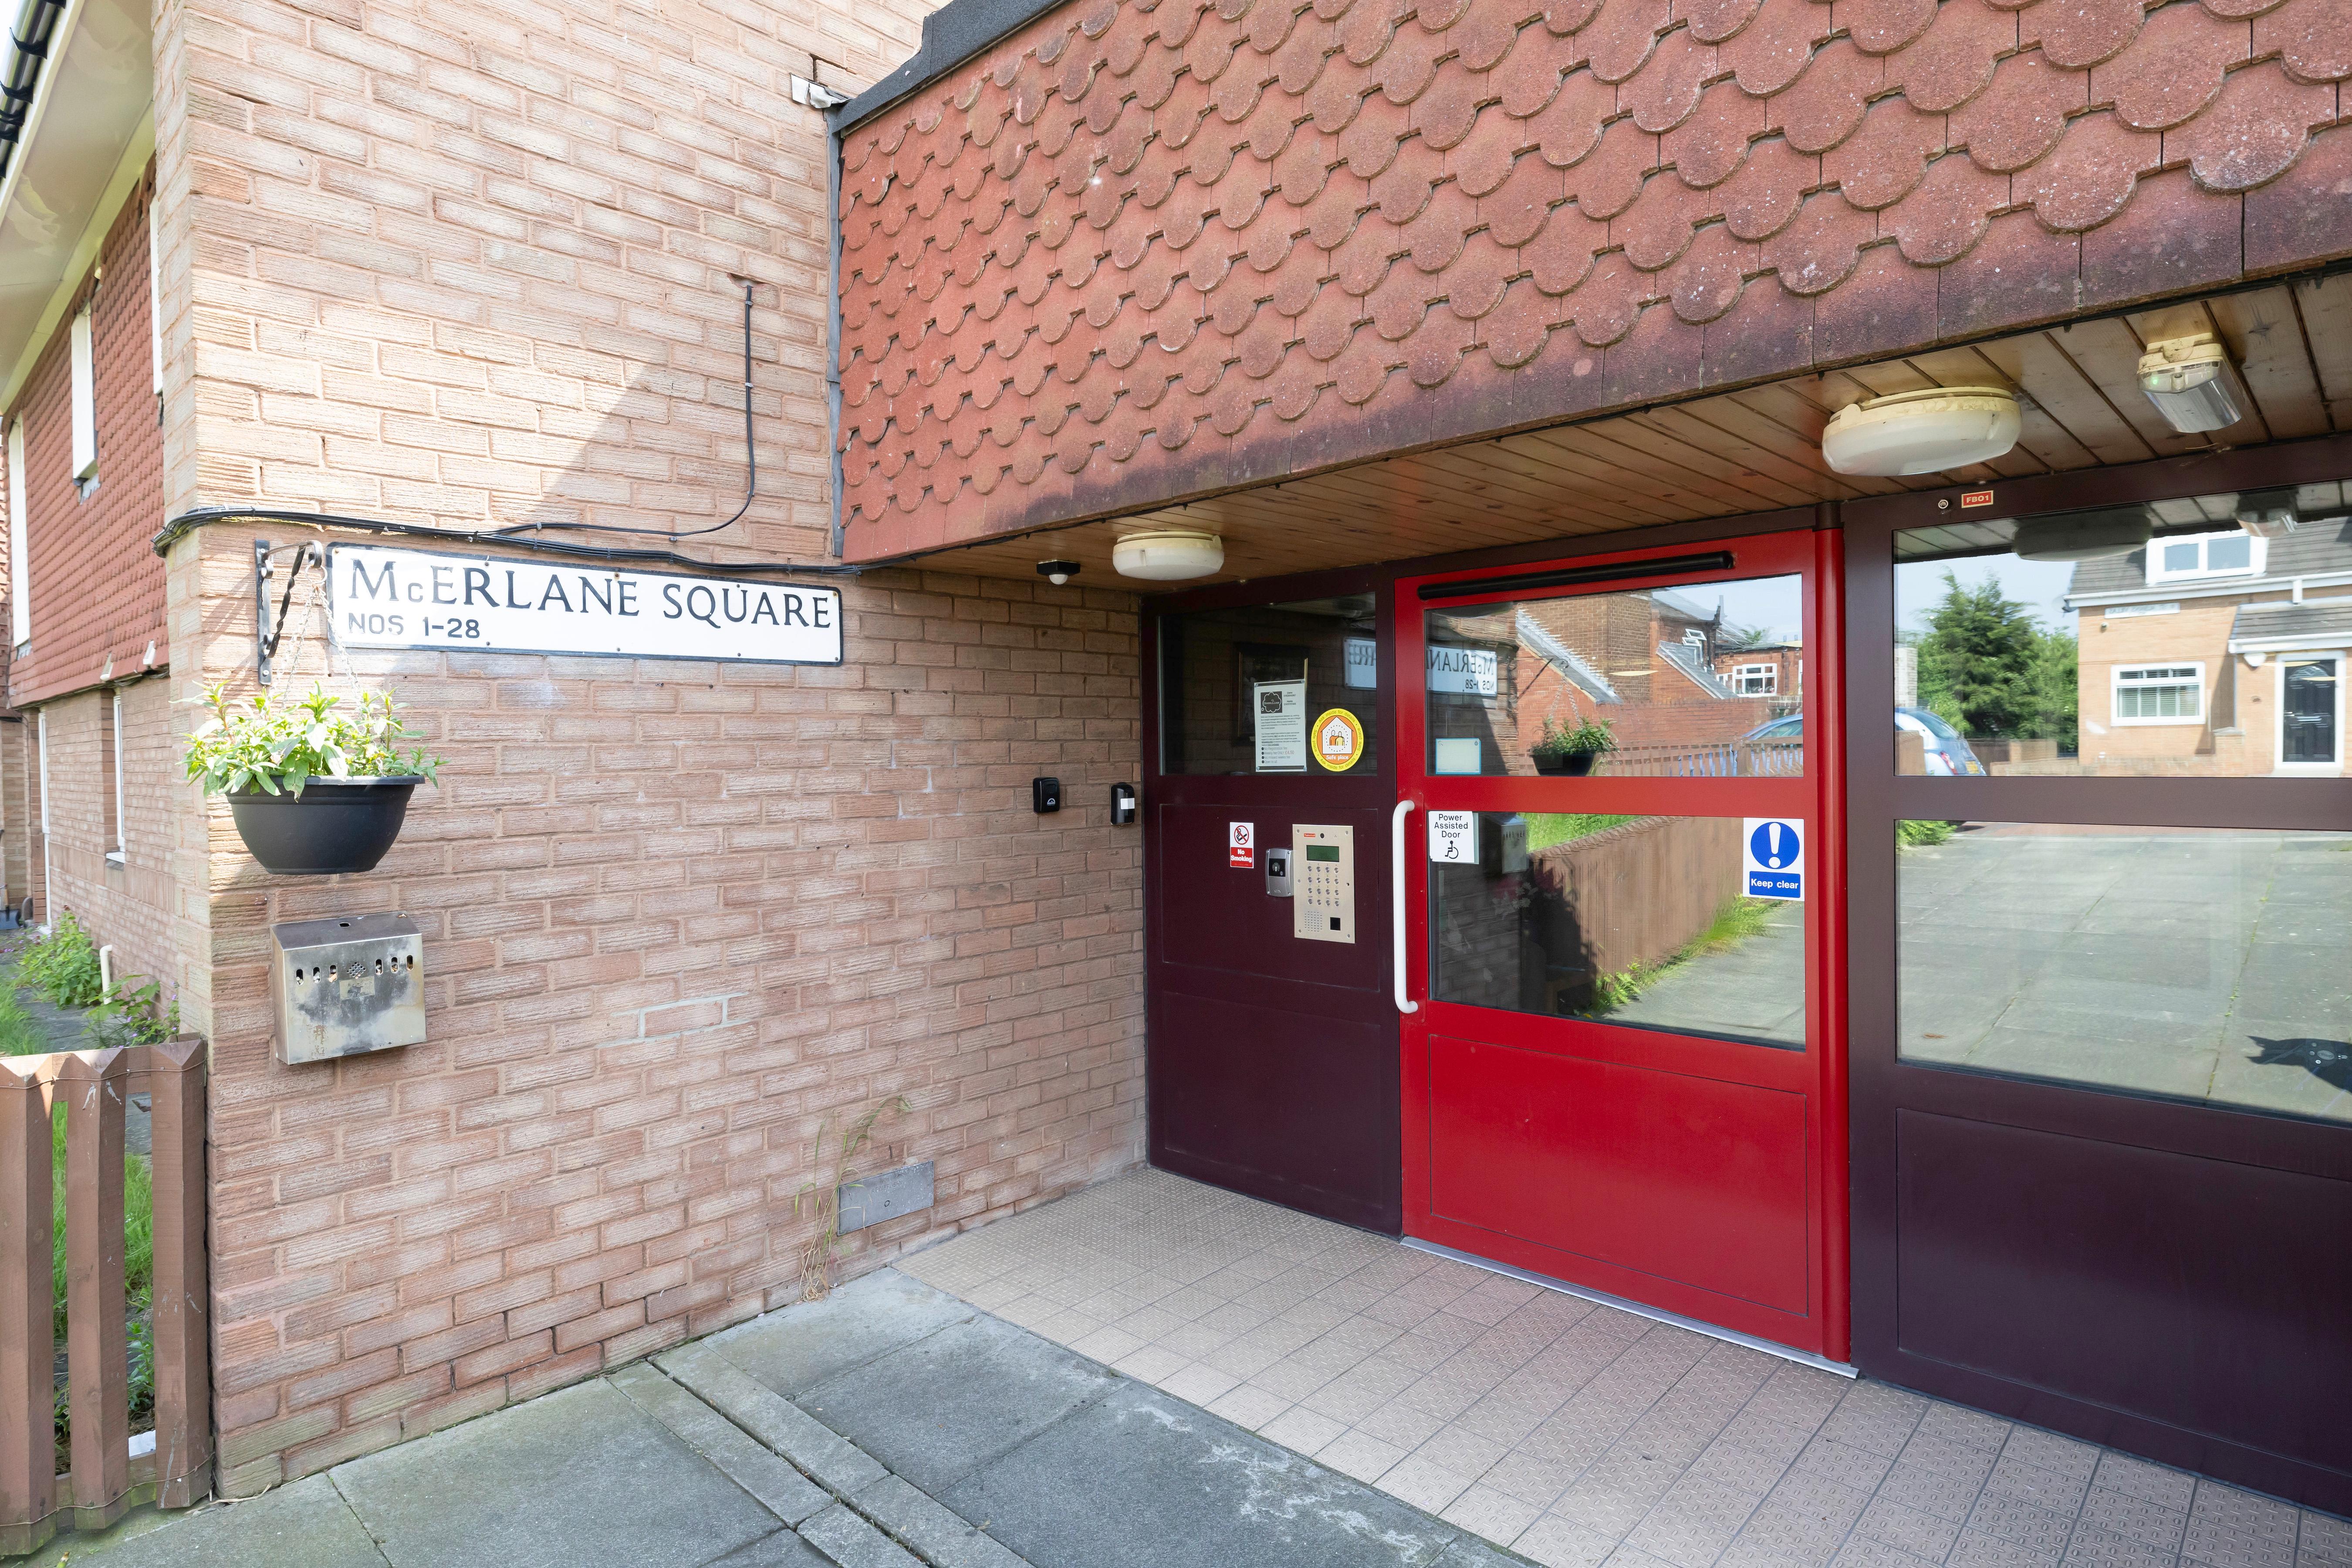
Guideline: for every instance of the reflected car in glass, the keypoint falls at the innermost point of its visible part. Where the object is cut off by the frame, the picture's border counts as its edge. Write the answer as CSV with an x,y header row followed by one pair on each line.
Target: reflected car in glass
x,y
1943,752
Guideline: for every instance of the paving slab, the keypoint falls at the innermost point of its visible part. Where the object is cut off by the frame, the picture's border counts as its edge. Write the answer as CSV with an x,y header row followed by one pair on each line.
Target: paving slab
x,y
579,1478
943,1536
835,1463
779,1488
306,1523
1144,1480
793,1350
781,1550
939,1409
852,1541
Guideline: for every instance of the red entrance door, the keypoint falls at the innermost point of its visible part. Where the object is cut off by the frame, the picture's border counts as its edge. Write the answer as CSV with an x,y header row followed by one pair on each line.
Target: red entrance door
x,y
1618,834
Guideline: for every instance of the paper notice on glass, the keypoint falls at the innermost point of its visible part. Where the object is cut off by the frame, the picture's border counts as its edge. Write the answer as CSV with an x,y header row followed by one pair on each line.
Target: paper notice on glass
x,y
1280,707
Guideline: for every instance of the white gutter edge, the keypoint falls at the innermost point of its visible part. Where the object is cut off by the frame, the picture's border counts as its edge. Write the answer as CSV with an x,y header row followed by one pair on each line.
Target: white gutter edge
x,y
2209,591
127,173
59,37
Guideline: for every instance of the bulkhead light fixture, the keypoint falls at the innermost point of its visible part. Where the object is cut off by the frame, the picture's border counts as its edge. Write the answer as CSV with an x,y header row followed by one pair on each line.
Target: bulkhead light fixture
x,y
1922,431
2192,384
1169,555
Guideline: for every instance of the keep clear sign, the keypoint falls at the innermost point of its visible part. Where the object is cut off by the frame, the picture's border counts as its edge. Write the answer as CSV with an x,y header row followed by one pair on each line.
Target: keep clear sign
x,y
1773,856
378,598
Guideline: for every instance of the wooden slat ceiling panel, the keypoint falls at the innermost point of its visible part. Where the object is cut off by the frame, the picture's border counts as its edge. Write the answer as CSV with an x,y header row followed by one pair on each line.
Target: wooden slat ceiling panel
x,y
1755,449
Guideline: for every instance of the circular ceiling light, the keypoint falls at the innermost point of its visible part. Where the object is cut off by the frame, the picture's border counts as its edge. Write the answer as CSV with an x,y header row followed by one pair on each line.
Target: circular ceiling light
x,y
1922,431
1169,555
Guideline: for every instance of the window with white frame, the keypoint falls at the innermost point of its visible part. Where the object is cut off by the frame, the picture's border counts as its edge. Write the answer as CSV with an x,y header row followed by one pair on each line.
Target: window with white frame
x,y
20,593
1756,679
109,738
2159,694
2233,555
85,399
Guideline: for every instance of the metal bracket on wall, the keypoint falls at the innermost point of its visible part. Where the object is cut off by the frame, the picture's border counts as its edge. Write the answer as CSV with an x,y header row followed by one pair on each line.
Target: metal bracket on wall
x,y
266,628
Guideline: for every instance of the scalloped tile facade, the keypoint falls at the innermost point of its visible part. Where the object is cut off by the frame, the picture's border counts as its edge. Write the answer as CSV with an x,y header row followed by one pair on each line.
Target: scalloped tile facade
x,y
1146,249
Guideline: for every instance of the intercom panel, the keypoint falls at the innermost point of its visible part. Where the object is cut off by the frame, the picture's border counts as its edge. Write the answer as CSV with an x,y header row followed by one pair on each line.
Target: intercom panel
x,y
1323,871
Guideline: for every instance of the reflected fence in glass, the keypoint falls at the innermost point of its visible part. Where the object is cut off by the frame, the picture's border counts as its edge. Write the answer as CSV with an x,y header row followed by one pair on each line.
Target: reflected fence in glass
x,y
1634,921
1701,681
2200,637
2204,964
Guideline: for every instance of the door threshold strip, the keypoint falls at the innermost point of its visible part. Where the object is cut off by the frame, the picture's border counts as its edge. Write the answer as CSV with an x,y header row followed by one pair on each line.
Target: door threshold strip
x,y
1731,1336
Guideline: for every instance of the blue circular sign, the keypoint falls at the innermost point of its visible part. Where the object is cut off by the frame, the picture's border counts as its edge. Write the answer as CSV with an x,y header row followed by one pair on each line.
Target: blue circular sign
x,y
1773,845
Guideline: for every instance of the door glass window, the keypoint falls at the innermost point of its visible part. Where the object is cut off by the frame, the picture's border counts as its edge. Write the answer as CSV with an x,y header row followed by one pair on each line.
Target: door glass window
x,y
1693,681
2158,640
2311,711
1271,688
2203,964
1634,921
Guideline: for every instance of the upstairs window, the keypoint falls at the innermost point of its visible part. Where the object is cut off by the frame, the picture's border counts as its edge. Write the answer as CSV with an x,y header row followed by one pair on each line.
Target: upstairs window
x,y
109,746
84,400
1756,679
2231,554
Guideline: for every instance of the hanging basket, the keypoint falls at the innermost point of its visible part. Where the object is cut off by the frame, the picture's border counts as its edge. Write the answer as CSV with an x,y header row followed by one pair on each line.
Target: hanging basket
x,y
1573,764
334,826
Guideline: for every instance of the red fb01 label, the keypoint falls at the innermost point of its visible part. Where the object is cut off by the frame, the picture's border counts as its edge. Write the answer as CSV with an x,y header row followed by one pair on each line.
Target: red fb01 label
x,y
1975,497
1241,845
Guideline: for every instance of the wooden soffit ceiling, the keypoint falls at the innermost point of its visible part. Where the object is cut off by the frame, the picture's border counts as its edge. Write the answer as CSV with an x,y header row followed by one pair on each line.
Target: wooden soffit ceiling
x,y
1148,250
1753,451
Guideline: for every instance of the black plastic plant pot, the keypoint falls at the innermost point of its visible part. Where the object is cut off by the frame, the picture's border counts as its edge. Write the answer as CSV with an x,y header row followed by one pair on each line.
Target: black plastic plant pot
x,y
333,826
1571,765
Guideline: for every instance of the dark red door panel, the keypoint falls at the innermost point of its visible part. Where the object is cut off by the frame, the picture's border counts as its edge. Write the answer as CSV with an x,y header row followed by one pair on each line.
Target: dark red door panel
x,y
1693,1180
1220,915
1275,1103
2138,1280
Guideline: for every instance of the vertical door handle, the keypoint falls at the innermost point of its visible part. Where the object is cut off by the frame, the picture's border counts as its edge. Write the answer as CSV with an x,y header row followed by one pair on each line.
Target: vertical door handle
x,y
1404,1003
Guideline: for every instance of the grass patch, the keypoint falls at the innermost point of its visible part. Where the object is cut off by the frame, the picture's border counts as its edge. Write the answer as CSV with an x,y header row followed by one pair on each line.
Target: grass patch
x,y
1734,924
19,1035
1545,828
1919,834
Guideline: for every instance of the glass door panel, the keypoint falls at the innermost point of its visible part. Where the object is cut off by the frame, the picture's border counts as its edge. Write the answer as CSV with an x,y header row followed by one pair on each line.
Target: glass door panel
x,y
1617,1075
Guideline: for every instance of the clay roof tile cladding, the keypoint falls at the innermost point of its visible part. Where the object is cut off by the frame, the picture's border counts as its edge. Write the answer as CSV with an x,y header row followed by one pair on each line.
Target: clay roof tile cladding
x,y
1228,235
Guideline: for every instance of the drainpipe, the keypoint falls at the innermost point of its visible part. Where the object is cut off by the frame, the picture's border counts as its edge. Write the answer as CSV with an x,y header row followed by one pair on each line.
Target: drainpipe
x,y
832,317
20,79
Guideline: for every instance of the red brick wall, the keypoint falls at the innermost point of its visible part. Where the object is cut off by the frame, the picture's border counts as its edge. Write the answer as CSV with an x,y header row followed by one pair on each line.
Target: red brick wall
x,y
125,902
97,588
677,915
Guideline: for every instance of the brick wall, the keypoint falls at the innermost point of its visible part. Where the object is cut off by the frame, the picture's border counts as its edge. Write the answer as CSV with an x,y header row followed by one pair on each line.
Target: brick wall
x,y
677,915
126,902
97,589
470,264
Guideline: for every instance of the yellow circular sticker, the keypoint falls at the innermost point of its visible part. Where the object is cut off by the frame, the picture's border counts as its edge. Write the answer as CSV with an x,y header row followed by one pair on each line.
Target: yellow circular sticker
x,y
1339,740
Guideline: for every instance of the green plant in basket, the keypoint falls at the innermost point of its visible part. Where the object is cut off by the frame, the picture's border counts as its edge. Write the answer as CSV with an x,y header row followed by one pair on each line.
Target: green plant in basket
x,y
276,747
1588,737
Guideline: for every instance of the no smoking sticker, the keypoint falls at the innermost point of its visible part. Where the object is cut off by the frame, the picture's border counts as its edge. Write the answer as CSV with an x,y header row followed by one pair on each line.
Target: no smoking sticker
x,y
1772,858
1241,844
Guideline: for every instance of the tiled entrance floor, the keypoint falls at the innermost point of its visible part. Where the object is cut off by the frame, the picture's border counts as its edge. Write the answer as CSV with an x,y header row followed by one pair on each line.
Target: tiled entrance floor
x,y
1573,1433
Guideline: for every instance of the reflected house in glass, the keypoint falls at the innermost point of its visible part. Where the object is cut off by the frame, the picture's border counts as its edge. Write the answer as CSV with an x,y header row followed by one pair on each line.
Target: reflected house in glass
x,y
1674,683
2214,649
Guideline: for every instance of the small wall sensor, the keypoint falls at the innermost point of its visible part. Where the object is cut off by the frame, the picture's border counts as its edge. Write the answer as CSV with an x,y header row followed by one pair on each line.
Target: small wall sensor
x,y
1122,806
1045,796
1057,571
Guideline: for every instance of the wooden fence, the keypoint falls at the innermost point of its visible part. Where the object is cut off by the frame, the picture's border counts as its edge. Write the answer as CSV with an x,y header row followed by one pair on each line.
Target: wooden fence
x,y
104,1478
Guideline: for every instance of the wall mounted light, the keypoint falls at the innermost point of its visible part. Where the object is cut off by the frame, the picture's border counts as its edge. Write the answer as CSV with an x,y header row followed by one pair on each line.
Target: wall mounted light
x,y
1169,555
1924,432
1057,571
2191,383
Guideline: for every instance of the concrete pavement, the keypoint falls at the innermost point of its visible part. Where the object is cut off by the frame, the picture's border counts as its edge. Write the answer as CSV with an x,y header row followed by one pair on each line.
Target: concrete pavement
x,y
890,1426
